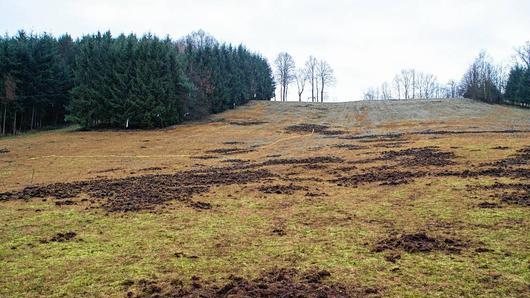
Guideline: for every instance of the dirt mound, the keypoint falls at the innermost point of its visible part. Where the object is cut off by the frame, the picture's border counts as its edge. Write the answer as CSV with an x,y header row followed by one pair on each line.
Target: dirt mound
x,y
385,177
522,157
349,146
419,243
275,283
3,150
144,192
61,237
420,157
515,193
230,151
247,123
313,128
391,137
308,160
282,189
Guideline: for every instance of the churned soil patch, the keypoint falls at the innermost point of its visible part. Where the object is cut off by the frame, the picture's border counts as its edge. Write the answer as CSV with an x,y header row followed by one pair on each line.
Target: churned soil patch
x,y
308,160
275,283
282,189
419,243
313,128
144,192
384,177
349,146
61,237
4,150
247,122
512,193
230,151
418,157
521,157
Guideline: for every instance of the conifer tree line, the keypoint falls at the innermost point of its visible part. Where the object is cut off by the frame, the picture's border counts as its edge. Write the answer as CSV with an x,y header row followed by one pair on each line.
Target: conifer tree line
x,y
483,80
100,80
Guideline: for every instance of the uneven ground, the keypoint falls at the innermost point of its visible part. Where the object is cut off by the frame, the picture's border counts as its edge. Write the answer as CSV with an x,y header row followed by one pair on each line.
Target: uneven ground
x,y
414,198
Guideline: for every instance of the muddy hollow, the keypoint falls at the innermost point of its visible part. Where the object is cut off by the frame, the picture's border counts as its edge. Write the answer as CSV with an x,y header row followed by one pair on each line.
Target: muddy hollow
x,y
367,199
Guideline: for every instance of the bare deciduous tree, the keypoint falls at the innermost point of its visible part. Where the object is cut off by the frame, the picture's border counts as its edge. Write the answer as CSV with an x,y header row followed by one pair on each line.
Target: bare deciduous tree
x,y
311,73
301,80
326,76
523,54
285,68
386,92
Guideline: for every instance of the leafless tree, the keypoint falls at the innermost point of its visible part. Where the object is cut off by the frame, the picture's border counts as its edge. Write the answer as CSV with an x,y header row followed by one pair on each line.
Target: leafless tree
x,y
407,82
386,92
523,54
483,80
371,94
452,89
325,76
397,86
301,80
285,73
311,74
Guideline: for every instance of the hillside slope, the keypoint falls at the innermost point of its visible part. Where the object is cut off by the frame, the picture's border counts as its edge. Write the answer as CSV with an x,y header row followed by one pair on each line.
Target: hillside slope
x,y
364,199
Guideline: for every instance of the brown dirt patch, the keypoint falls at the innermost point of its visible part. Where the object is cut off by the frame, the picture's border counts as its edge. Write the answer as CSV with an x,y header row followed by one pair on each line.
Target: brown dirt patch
x,y
522,157
385,177
282,189
201,205
420,157
233,143
308,160
419,243
247,122
230,151
3,150
144,192
275,283
61,237
349,147
313,128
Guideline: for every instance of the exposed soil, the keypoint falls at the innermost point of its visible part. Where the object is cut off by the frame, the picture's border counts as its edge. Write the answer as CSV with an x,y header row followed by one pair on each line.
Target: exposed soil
x,y
151,169
384,177
201,205
522,157
230,151
349,147
281,189
144,192
390,137
420,157
419,243
306,128
275,283
515,193
489,205
313,128
233,143
105,171
248,122
308,160
3,150
205,157
61,237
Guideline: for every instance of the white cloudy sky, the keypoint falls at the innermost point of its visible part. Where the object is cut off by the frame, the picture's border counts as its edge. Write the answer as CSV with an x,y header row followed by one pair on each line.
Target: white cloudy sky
x,y
366,42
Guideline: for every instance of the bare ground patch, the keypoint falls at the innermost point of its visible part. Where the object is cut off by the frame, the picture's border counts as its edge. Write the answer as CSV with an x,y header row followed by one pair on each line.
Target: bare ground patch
x,y
274,283
143,192
419,243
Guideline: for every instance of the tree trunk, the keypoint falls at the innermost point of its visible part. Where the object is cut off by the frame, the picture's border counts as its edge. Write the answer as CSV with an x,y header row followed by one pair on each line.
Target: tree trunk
x,y
15,124
322,92
4,120
32,117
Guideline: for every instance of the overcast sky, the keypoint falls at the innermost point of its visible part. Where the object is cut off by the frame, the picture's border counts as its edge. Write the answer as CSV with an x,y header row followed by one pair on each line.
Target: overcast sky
x,y
366,42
